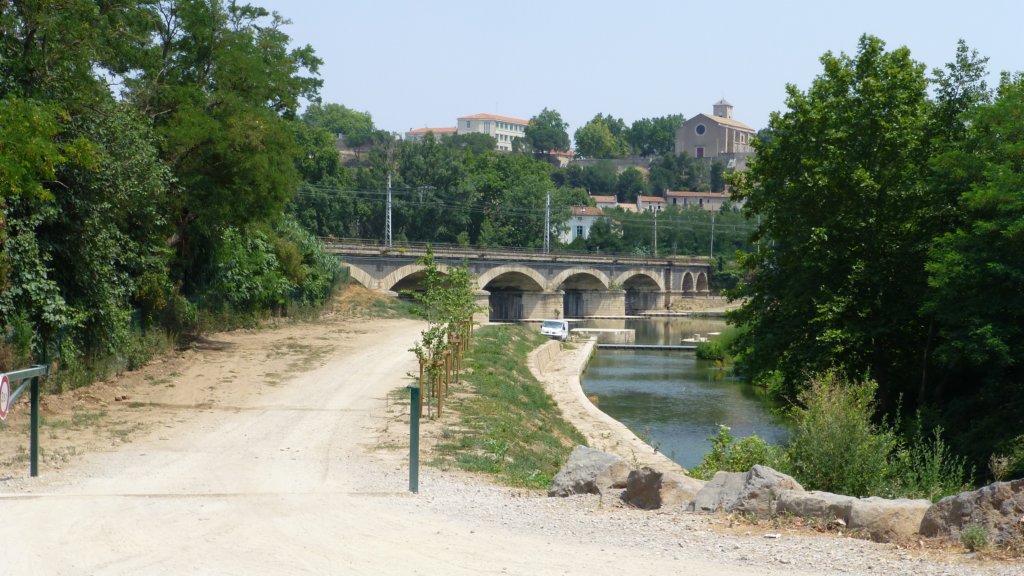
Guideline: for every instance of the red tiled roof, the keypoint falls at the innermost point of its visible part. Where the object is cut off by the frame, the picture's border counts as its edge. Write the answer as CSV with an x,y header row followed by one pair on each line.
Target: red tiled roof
x,y
495,117
586,211
651,199
446,130
688,194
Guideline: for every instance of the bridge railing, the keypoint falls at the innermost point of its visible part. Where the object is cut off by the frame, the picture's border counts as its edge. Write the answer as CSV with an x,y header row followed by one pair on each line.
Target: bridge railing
x,y
375,246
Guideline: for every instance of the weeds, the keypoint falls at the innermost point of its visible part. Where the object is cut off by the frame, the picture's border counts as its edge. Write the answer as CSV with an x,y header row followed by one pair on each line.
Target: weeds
x,y
974,537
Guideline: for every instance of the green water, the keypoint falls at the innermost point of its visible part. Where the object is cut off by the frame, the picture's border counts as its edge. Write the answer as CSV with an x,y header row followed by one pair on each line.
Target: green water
x,y
671,399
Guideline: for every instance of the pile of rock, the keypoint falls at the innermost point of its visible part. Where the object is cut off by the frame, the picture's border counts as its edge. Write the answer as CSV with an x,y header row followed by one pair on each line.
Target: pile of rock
x,y
765,493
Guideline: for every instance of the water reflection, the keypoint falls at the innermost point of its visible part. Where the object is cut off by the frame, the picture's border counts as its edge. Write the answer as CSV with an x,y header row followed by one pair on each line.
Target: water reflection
x,y
672,399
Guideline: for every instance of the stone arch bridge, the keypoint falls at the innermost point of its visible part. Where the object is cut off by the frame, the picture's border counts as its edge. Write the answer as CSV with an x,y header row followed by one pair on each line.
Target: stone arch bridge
x,y
515,285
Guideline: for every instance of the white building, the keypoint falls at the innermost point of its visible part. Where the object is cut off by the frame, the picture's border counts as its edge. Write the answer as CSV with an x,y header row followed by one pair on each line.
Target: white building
x,y
578,225
711,201
502,128
650,203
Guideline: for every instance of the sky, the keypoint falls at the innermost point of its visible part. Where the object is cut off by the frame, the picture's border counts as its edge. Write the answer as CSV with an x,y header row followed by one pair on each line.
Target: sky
x,y
414,64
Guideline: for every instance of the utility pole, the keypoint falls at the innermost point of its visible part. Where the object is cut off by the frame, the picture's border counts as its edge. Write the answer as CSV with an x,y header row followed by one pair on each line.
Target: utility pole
x,y
712,234
547,224
655,230
387,220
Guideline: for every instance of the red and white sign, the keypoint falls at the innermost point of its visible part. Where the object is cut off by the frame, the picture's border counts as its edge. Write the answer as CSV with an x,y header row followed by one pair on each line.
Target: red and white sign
x,y
5,396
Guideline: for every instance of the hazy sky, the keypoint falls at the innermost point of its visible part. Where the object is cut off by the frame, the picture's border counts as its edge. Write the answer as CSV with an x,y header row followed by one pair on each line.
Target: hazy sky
x,y
424,63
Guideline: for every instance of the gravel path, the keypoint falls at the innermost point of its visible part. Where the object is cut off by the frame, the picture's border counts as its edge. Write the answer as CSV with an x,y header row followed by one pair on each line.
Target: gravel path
x,y
286,481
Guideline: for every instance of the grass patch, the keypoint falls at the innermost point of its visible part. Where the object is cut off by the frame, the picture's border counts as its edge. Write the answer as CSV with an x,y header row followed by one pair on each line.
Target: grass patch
x,y
79,420
509,426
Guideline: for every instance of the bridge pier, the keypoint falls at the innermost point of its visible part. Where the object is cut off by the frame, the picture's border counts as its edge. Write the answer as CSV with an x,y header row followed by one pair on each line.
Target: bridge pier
x,y
604,303
546,304
638,301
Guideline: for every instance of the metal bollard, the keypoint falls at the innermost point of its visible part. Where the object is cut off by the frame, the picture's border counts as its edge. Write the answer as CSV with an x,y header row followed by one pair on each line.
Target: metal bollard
x,y
414,439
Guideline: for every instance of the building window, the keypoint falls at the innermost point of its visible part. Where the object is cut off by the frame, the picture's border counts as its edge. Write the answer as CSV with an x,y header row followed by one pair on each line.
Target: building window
x,y
579,231
467,123
700,152
700,129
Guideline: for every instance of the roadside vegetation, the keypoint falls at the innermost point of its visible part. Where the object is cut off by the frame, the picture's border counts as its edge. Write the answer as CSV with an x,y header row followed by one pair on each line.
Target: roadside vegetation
x,y
131,219
508,426
839,446
890,251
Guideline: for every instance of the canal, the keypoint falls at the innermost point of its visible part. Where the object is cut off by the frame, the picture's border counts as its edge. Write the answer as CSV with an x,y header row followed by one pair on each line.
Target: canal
x,y
672,400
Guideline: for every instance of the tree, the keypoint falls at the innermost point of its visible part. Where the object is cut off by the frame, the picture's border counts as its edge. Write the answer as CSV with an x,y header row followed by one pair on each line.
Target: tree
x,y
357,127
631,184
717,178
602,137
655,136
600,178
221,103
547,132
839,276
976,281
477,142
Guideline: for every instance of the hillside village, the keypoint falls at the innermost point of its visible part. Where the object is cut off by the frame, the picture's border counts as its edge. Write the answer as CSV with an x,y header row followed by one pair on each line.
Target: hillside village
x,y
714,137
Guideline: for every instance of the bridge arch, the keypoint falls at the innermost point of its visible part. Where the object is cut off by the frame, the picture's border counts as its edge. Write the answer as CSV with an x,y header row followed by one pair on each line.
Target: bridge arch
x,y
361,276
640,277
393,279
702,282
513,269
564,275
694,282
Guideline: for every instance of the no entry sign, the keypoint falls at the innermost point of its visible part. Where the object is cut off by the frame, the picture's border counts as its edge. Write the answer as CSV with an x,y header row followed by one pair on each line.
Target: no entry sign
x,y
5,396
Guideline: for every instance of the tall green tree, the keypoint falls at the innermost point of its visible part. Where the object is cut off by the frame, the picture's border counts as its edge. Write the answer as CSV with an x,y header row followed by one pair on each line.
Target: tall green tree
x,y
631,183
546,132
357,127
976,296
839,276
602,137
654,136
221,86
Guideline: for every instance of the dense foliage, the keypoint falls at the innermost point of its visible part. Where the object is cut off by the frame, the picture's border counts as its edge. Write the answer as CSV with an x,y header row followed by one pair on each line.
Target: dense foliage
x,y
889,243
147,151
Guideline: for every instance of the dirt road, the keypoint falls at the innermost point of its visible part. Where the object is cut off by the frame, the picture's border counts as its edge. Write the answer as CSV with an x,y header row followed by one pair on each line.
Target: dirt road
x,y
283,482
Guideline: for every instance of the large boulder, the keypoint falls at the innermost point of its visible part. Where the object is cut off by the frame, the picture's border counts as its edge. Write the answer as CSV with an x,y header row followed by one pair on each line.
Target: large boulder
x,y
888,520
753,492
589,471
814,504
999,507
651,489
884,520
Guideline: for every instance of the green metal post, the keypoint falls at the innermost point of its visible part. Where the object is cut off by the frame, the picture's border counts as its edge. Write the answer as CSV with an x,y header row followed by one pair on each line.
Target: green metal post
x,y
414,439
33,467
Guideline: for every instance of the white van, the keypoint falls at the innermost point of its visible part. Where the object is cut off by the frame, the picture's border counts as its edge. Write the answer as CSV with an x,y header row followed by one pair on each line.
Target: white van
x,y
558,329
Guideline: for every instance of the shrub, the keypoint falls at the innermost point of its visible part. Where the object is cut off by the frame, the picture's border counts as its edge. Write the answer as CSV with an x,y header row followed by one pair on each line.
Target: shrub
x,y
835,446
927,469
710,350
731,456
248,275
974,537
